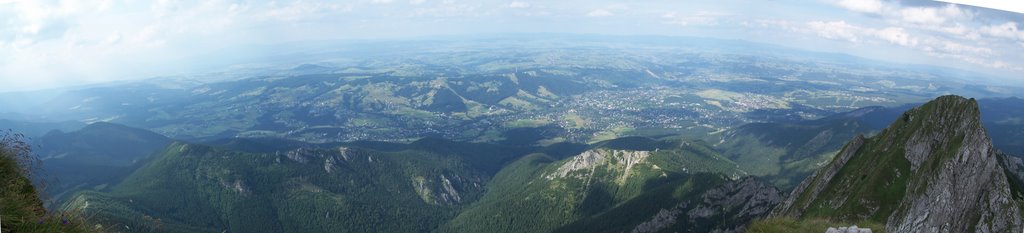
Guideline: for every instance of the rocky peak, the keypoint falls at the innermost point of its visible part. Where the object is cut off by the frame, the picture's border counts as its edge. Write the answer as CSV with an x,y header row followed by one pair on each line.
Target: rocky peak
x,y
940,123
932,170
591,159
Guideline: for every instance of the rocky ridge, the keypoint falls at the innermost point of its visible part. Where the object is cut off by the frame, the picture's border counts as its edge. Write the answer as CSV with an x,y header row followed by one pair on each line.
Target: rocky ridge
x,y
933,170
741,200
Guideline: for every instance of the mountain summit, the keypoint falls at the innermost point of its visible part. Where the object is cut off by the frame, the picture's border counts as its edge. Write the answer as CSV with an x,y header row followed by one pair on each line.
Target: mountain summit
x,y
933,170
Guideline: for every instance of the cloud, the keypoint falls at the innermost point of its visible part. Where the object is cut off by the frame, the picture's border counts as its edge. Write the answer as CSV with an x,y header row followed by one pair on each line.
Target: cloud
x,y
841,30
1007,30
835,30
600,13
864,6
701,18
519,4
896,35
135,39
943,30
932,15
447,9
944,18
930,45
300,11
1011,6
958,48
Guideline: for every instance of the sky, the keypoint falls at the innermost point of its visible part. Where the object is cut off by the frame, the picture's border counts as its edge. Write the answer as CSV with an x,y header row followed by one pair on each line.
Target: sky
x,y
48,44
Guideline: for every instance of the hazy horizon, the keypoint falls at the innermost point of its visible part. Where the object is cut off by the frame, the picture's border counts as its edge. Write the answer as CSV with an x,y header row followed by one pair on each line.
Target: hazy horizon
x,y
50,44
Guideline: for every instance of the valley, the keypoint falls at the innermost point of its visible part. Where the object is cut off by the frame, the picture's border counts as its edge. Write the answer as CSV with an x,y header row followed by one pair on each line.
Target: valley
x,y
511,116
653,89
657,135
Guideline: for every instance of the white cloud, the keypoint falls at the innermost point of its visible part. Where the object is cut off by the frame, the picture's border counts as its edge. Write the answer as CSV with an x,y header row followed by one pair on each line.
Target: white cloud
x,y
958,48
934,46
447,9
1006,30
519,4
921,15
113,38
841,30
600,13
865,6
298,11
947,18
701,18
36,36
835,30
897,36
933,15
1011,6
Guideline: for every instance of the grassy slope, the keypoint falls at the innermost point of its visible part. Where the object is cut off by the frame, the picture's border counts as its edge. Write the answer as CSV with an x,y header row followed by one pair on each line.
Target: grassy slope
x,y
21,210
878,175
98,155
786,153
522,198
627,215
195,188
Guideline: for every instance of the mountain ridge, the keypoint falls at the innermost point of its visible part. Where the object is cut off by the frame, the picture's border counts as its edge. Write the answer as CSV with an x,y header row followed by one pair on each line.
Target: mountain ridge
x,y
917,175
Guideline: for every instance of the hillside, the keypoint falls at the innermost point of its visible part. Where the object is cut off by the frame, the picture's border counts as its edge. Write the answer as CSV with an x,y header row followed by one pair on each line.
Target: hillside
x,y
21,208
198,188
33,129
628,183
787,152
96,156
245,185
932,170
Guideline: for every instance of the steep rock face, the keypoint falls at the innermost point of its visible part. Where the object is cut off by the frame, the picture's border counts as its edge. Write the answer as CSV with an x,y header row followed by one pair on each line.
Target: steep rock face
x,y
933,170
439,192
737,201
591,159
968,190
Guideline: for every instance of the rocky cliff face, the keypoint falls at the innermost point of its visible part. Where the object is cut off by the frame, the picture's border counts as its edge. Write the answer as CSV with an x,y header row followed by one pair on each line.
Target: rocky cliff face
x,y
933,170
737,201
583,165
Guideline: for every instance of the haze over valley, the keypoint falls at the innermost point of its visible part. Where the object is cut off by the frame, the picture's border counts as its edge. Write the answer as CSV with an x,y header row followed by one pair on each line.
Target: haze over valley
x,y
896,116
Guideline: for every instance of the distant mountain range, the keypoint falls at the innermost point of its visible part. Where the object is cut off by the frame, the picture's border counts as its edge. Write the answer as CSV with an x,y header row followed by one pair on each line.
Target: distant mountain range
x,y
128,177
589,89
609,134
237,185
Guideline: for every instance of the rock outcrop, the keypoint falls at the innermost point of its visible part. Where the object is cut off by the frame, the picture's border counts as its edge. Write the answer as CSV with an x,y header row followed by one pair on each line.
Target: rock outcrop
x,y
740,201
442,191
851,229
933,170
581,165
